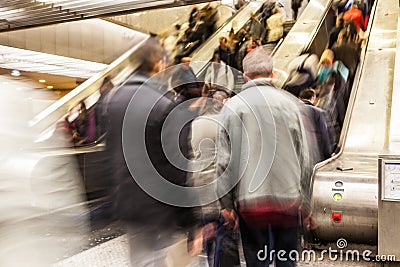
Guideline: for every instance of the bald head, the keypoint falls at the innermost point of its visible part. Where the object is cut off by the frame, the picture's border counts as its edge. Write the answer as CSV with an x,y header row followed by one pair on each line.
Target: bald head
x,y
258,64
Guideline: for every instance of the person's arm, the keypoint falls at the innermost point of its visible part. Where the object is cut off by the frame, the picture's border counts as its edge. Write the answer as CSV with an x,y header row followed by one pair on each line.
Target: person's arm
x,y
323,128
223,167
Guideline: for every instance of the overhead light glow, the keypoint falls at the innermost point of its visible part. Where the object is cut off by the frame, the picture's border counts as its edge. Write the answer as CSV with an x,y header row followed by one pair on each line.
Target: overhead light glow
x,y
42,81
26,60
15,73
50,87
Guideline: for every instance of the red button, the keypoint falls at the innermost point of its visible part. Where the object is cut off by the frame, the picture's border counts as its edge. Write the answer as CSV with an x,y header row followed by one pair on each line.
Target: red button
x,y
337,217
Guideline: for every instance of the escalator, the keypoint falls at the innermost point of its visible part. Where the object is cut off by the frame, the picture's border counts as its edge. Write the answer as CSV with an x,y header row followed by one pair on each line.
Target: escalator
x,y
345,187
89,156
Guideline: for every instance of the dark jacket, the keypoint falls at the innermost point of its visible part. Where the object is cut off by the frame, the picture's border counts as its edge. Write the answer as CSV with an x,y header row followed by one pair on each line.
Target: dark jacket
x,y
348,53
142,124
317,117
333,36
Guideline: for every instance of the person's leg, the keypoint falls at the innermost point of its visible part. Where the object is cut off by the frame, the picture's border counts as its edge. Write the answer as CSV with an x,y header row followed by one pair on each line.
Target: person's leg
x,y
209,245
153,247
295,13
227,247
255,245
286,239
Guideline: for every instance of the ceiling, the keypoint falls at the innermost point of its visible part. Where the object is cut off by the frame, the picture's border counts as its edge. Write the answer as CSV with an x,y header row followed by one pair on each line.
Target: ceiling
x,y
18,14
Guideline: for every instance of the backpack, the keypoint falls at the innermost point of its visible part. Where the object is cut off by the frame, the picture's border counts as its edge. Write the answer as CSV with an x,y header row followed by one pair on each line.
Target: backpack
x,y
302,73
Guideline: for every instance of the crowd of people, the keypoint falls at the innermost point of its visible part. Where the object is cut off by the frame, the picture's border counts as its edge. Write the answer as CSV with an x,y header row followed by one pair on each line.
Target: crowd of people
x,y
331,76
264,27
248,155
187,37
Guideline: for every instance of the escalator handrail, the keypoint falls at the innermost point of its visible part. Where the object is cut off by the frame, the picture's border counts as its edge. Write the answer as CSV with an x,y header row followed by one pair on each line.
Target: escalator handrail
x,y
317,29
122,66
45,119
216,34
197,50
351,104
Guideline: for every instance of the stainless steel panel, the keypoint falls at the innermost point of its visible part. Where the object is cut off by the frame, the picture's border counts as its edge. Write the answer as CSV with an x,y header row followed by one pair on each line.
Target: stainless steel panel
x,y
359,204
364,136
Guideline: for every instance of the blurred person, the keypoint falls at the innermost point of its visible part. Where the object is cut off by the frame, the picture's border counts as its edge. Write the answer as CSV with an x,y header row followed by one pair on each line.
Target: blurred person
x,y
256,28
361,4
334,110
220,242
224,51
347,51
325,66
334,33
156,230
355,15
318,127
100,108
184,82
338,6
251,44
209,15
84,126
193,16
218,73
302,73
296,4
263,124
266,11
275,27
239,4
281,10
42,195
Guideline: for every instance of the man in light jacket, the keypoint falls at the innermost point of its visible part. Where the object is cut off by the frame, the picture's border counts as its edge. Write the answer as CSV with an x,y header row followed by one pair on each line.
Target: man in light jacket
x,y
263,164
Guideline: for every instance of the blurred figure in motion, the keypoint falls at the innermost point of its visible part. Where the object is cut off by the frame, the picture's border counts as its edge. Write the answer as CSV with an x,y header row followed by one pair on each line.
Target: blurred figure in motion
x,y
317,127
220,241
84,126
153,227
347,51
184,82
302,73
42,196
100,110
296,4
263,124
334,33
256,29
275,27
224,51
218,73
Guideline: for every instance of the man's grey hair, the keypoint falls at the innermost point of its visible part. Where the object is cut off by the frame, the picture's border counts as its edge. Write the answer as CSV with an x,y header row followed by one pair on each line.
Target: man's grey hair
x,y
258,63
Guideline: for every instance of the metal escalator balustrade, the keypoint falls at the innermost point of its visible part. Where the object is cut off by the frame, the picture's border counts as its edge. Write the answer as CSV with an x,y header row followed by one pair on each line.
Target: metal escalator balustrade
x,y
365,135
118,71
